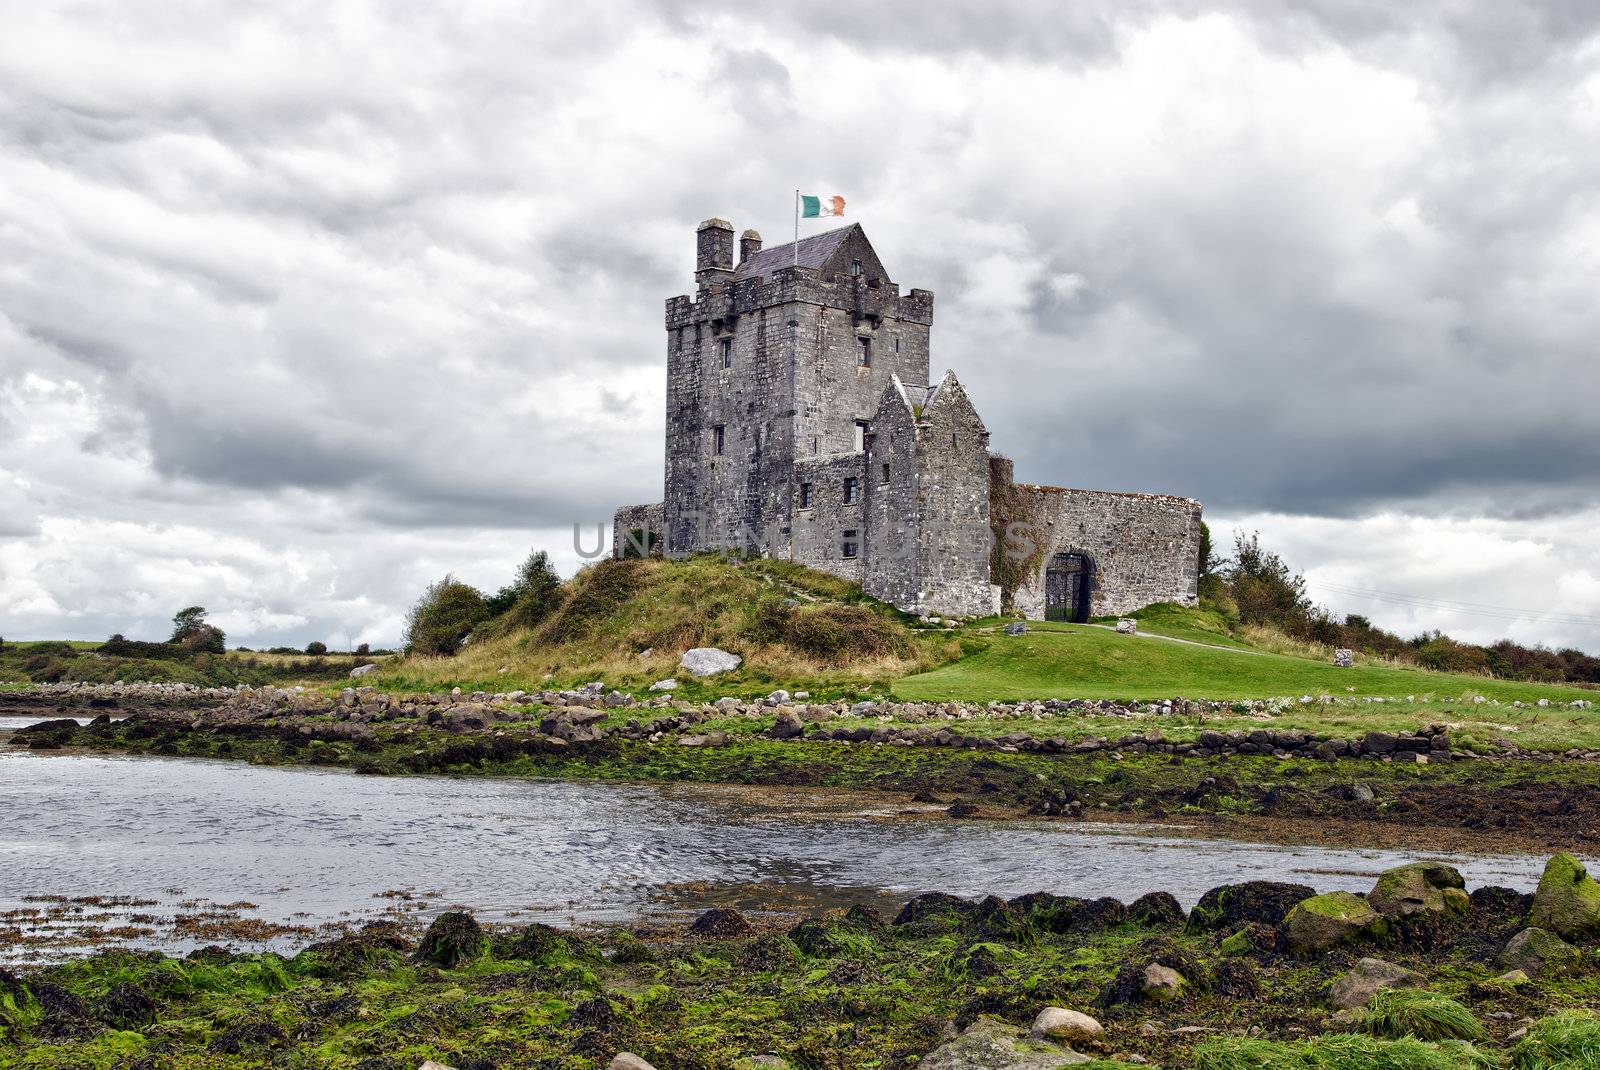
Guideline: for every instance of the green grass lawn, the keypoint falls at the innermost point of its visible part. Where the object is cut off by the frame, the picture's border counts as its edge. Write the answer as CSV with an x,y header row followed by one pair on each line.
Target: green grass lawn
x,y
1067,661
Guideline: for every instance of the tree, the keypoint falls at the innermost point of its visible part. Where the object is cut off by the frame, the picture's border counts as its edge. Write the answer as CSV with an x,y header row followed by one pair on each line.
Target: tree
x,y
316,648
363,650
191,630
533,595
1267,591
444,617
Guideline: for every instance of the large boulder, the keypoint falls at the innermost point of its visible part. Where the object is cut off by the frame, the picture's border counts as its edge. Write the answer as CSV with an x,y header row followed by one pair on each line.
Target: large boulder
x,y
1067,1026
1539,953
988,1044
363,670
1568,900
1420,888
1229,905
708,661
1328,920
1367,978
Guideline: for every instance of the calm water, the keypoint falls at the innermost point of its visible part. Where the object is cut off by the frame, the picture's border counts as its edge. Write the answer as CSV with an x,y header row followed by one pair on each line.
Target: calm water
x,y
311,846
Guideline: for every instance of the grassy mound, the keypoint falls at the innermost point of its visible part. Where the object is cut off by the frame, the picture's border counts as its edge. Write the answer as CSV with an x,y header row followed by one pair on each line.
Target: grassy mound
x,y
628,621
1076,661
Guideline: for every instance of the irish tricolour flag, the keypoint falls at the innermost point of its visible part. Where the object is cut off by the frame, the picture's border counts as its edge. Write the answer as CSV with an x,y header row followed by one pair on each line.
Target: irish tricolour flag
x,y
811,207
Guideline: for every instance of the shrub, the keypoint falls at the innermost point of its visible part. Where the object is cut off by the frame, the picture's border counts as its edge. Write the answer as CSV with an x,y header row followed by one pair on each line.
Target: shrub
x,y
444,617
316,649
1337,1051
1568,1041
597,592
831,632
1418,1013
191,631
44,669
529,602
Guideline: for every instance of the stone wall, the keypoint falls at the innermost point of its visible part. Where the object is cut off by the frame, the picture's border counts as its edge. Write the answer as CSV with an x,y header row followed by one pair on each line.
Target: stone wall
x,y
817,531
636,518
953,507
1144,548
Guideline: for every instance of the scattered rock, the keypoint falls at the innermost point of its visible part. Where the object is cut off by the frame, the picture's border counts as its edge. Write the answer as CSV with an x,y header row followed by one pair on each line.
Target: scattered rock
x,y
431,1065
787,726
1156,909
1539,953
626,1060
1016,627
708,661
1328,920
363,670
1127,626
1368,976
1067,1026
1567,902
1267,902
1420,888
1343,658
721,923
668,684
1162,984
988,1044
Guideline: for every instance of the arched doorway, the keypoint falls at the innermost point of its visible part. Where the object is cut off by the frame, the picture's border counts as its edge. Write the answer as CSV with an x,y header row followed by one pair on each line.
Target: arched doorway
x,y
1068,582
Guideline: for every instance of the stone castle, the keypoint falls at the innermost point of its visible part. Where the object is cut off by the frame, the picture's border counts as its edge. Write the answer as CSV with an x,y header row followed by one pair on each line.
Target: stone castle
x,y
803,423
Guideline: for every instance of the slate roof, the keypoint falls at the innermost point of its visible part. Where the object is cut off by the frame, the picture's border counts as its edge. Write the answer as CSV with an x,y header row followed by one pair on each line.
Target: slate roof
x,y
815,249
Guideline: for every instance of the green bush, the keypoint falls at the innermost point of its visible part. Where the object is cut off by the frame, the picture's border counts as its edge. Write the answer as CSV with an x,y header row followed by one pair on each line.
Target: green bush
x,y
831,632
444,617
316,648
597,592
1569,1041
1398,1012
529,601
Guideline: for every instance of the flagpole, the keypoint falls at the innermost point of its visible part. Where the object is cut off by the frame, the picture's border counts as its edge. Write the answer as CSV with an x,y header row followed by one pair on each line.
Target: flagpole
x,y
796,245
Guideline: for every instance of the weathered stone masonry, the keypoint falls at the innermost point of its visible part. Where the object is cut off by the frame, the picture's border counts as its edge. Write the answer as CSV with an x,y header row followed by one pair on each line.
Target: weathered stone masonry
x,y
802,423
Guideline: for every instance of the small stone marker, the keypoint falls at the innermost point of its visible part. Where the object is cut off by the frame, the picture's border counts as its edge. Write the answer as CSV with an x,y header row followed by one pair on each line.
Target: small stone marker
x,y
1127,626
1016,627
1344,659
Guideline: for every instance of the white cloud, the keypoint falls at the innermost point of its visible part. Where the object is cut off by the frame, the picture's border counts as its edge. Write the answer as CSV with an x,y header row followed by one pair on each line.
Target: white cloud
x,y
299,310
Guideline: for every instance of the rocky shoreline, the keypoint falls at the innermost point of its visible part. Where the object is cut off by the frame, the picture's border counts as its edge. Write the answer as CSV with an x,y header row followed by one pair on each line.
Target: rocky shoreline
x,y
575,716
1419,972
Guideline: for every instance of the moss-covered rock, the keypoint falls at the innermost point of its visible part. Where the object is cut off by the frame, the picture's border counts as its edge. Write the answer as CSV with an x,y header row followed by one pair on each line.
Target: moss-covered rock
x,y
989,1044
1328,920
1539,953
1266,902
1567,901
1420,888
454,938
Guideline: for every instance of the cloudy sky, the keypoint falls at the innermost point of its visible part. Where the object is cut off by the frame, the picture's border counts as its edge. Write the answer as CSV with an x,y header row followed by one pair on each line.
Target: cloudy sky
x,y
302,308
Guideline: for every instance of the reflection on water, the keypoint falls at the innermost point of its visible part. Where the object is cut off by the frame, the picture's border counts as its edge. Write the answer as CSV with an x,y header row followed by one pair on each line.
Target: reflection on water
x,y
308,846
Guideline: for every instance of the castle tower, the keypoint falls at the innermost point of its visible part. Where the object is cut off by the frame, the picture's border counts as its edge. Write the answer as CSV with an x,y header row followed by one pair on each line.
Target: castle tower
x,y
774,370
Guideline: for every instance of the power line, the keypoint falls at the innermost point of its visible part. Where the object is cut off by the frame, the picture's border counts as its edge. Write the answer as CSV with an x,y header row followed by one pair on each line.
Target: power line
x,y
1478,609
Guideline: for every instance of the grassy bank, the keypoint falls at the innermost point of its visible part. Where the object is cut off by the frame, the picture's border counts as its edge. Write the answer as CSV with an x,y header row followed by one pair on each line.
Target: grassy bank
x,y
846,992
1074,661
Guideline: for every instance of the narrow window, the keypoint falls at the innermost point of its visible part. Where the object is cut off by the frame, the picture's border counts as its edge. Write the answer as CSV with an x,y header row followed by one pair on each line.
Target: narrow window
x,y
852,487
861,435
855,267
863,352
897,343
718,438
885,478
805,495
727,352
850,543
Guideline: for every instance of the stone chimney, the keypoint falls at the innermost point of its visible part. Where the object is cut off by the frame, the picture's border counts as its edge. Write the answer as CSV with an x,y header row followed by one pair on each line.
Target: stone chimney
x,y
749,245
713,252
